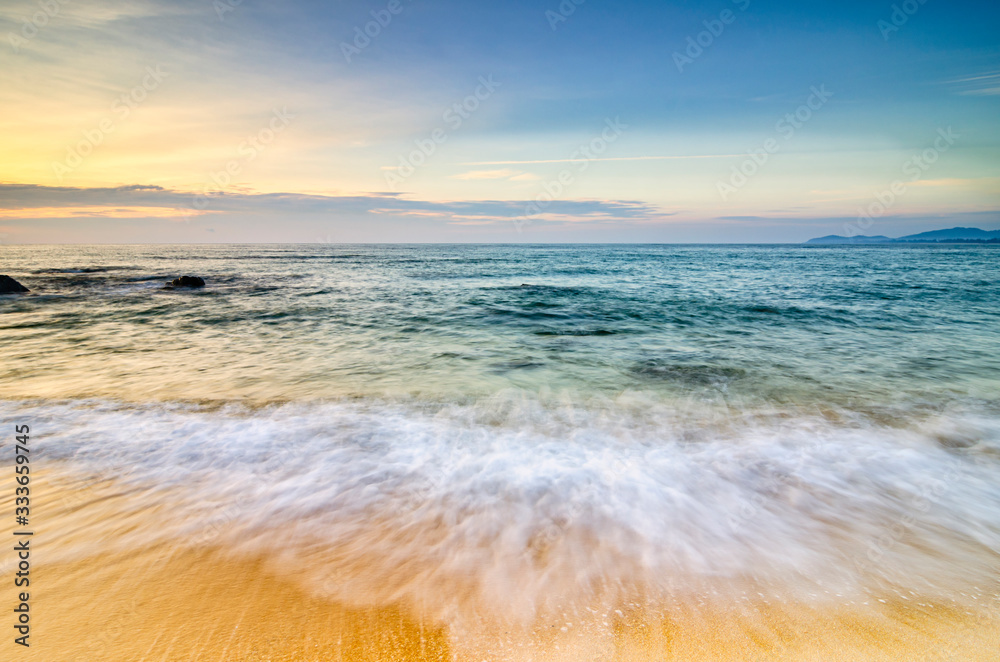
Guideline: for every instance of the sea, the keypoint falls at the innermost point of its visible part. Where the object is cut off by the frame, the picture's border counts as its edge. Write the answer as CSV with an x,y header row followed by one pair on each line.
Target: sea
x,y
530,435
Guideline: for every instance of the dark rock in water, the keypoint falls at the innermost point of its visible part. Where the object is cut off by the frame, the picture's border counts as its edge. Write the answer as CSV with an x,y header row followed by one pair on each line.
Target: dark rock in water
x,y
8,285
185,281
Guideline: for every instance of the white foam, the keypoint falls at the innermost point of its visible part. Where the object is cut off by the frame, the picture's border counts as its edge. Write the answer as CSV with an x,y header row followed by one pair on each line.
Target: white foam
x,y
516,503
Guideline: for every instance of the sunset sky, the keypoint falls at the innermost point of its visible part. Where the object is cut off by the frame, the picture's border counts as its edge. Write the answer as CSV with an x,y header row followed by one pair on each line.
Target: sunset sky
x,y
517,121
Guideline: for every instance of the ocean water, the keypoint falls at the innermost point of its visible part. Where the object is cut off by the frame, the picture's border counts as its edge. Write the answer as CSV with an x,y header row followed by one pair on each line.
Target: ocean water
x,y
525,432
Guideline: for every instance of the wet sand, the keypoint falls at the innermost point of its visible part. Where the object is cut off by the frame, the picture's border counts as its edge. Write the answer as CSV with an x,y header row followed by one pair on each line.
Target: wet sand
x,y
156,605
94,598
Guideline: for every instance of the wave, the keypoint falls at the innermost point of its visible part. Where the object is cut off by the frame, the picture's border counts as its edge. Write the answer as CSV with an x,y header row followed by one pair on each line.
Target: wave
x,y
525,507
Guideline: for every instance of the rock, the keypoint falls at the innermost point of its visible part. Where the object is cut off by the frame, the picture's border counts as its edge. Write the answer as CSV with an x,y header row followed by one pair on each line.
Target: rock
x,y
186,281
8,285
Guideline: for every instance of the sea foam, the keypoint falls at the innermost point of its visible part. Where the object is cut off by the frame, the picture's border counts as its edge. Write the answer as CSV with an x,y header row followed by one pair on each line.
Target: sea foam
x,y
520,506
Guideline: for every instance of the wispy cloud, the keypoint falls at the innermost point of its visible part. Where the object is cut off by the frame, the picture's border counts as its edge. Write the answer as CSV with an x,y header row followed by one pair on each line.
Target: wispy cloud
x,y
984,183
982,84
99,211
610,158
505,173
27,201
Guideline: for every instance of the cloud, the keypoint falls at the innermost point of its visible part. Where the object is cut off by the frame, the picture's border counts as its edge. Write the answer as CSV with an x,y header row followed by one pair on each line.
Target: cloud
x,y
982,84
505,173
610,158
27,201
98,211
984,183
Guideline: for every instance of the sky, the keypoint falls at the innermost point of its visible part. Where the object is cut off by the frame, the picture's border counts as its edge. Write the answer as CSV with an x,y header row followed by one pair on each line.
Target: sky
x,y
521,121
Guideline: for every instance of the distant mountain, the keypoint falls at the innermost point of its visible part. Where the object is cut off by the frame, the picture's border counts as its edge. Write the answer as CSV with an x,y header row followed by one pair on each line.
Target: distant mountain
x,y
953,235
961,234
860,239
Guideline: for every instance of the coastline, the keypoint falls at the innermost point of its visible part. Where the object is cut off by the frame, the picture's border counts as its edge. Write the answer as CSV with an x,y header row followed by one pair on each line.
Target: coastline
x,y
202,599
167,604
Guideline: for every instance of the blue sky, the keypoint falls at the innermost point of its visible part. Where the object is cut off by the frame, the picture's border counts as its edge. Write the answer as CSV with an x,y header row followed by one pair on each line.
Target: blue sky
x,y
496,122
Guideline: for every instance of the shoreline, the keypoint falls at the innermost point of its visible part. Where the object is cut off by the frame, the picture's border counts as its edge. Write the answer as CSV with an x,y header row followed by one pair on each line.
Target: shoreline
x,y
160,604
162,601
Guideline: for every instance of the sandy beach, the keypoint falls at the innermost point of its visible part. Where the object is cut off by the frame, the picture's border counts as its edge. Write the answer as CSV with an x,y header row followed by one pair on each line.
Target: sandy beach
x,y
170,603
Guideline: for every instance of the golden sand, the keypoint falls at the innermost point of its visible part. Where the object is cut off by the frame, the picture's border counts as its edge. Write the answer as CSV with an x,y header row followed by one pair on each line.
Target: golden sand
x,y
163,602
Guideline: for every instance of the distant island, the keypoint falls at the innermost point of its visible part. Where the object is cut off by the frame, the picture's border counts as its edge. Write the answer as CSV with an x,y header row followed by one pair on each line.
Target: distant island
x,y
950,236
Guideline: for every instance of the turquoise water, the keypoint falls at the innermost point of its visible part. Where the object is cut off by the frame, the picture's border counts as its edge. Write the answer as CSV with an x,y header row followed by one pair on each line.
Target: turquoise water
x,y
755,324
581,420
